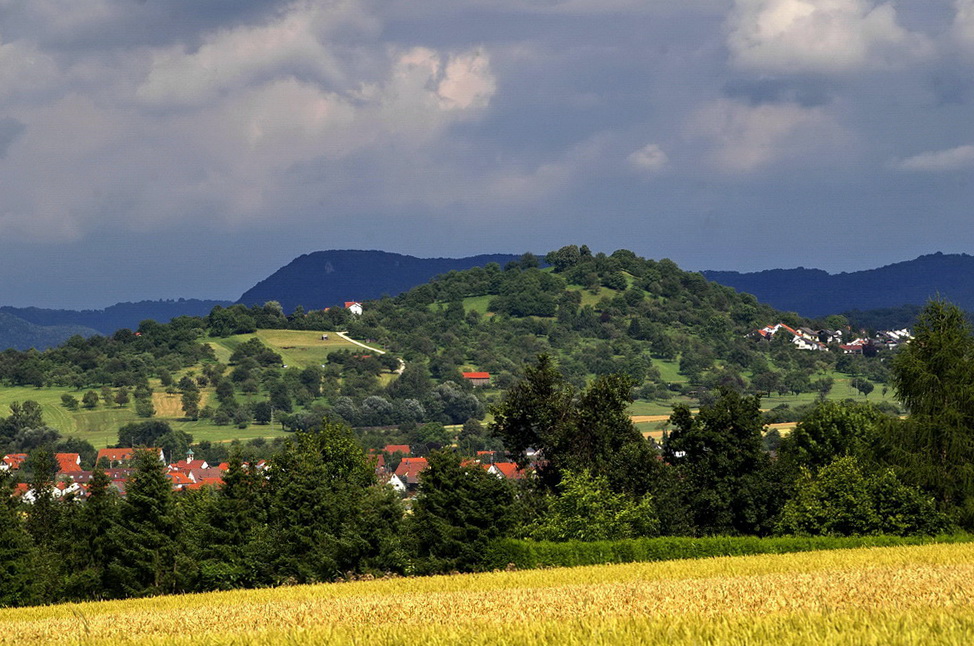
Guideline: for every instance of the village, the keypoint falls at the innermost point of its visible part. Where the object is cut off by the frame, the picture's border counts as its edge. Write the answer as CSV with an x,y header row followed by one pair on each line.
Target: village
x,y
825,340
395,465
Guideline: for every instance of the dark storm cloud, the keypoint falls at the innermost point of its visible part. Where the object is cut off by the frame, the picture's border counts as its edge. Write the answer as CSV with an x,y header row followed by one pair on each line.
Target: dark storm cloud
x,y
10,131
183,129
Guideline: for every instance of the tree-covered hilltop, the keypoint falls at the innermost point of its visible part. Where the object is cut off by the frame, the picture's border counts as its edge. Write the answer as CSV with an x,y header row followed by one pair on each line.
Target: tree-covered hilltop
x,y
601,314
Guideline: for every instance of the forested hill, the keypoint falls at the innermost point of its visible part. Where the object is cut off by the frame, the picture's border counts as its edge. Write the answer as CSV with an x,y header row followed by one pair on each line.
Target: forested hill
x,y
110,319
813,292
20,334
327,278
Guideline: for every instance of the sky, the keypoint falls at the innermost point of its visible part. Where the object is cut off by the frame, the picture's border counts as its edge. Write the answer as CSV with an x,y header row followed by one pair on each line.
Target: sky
x,y
177,148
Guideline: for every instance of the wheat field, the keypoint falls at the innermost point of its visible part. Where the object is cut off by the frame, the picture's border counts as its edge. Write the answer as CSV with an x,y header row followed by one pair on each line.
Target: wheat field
x,y
901,595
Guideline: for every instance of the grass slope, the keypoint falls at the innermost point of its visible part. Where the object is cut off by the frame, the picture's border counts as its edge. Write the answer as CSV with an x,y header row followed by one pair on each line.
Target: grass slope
x,y
899,595
100,425
298,348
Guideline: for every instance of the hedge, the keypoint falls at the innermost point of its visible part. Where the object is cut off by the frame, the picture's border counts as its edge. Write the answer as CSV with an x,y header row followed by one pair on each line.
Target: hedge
x,y
525,554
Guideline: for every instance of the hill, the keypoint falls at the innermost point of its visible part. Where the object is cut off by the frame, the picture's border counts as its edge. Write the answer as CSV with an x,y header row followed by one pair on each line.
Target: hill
x,y
813,292
327,278
115,317
19,334
677,336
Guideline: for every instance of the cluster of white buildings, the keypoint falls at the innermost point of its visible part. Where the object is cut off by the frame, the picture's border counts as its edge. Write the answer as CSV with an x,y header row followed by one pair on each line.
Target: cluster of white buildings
x,y
808,339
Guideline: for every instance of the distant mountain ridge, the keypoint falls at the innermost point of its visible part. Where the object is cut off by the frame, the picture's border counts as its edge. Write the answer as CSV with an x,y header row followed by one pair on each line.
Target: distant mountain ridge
x,y
19,334
328,278
814,292
115,317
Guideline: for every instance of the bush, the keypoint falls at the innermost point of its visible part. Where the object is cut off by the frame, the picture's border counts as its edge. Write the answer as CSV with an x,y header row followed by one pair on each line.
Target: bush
x,y
844,500
586,509
526,554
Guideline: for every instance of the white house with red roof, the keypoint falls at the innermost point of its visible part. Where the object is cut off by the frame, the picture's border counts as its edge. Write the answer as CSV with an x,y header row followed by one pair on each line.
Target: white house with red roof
x,y
409,469
506,470
12,461
354,307
803,340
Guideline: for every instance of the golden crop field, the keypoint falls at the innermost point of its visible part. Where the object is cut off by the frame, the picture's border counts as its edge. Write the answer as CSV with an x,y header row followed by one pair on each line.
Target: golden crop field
x,y
901,595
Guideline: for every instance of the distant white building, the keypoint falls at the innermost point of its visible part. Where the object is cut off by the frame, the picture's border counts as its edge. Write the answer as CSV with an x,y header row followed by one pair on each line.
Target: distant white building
x,y
354,307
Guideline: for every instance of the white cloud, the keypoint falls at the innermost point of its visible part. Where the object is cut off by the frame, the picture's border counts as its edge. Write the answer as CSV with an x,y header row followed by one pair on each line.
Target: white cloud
x,y
745,137
296,43
958,158
820,36
466,82
963,28
649,159
24,71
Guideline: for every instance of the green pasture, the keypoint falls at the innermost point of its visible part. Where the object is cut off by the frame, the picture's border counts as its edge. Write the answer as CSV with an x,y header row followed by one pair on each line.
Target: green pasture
x,y
298,348
669,371
477,303
100,425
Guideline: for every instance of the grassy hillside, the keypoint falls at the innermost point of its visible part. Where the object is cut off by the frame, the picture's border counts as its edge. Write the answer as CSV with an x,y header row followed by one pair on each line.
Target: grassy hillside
x,y
100,425
299,348
900,595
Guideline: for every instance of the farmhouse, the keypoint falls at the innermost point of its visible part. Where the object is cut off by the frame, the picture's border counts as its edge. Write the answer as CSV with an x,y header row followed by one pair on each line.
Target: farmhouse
x,y
354,307
477,379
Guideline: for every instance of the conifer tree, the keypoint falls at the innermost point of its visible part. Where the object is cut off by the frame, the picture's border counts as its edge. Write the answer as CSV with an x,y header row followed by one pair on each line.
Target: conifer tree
x,y
91,549
15,550
458,511
146,532
934,378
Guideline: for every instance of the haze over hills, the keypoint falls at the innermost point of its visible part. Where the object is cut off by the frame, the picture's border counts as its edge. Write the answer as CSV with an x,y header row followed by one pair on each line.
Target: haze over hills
x,y
813,292
327,278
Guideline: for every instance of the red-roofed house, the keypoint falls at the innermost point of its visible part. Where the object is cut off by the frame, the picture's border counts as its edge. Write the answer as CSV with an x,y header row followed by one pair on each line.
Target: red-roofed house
x,y
378,461
188,465
115,457
68,462
409,469
121,457
477,379
179,479
487,456
397,448
508,470
354,307
199,475
216,483
12,461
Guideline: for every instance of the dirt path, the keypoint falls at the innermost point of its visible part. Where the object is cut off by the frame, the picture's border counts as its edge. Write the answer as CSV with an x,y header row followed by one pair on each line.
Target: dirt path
x,y
402,364
638,419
